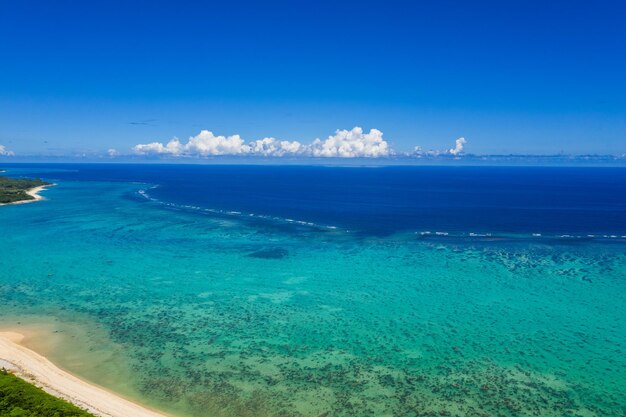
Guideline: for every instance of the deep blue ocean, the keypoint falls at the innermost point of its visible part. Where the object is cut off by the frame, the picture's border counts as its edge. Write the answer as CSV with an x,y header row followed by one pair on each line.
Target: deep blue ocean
x,y
385,200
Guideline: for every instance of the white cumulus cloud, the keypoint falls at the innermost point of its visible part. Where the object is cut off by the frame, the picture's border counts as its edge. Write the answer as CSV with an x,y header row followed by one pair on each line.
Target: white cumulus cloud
x,y
343,144
173,147
204,143
275,147
351,144
112,152
458,146
354,143
5,152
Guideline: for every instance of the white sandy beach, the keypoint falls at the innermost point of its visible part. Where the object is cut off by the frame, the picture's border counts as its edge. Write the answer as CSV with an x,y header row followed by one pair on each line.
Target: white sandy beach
x,y
37,369
33,192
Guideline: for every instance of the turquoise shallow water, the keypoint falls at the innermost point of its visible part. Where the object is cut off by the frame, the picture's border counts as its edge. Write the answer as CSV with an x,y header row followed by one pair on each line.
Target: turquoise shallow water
x,y
217,317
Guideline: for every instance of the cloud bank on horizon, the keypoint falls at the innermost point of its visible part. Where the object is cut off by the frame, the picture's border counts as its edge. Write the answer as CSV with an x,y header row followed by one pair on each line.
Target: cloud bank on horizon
x,y
354,143
5,152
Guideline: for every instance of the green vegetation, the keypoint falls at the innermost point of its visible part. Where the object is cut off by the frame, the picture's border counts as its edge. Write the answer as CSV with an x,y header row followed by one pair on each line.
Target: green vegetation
x,y
18,398
12,190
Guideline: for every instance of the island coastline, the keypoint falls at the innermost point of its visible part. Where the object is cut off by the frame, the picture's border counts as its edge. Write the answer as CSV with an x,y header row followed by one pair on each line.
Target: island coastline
x,y
34,193
38,370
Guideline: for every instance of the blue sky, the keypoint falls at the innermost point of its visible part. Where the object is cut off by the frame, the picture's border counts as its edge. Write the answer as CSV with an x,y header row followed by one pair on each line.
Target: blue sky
x,y
511,77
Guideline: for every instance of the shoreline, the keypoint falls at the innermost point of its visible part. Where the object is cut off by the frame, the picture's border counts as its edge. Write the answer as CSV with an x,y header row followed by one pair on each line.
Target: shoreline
x,y
33,192
36,369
